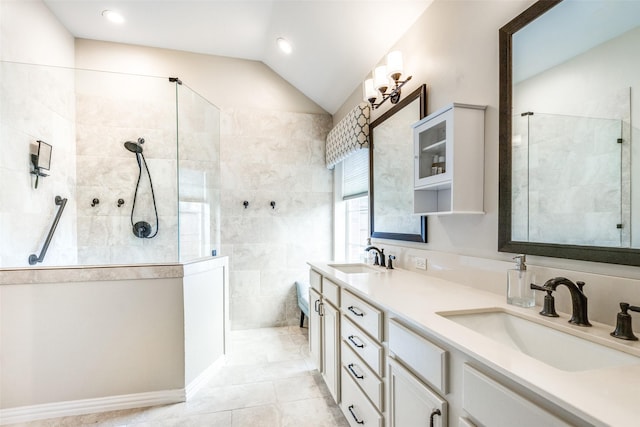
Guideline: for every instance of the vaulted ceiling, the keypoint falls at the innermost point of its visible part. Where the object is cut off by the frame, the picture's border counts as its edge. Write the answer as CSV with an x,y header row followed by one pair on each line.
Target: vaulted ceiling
x,y
335,43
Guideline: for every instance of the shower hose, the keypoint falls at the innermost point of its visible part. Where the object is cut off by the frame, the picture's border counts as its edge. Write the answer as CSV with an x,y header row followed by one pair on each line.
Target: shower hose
x,y
135,196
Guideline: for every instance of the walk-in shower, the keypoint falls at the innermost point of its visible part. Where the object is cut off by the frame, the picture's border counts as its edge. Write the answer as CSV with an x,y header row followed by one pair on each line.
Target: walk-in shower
x,y
142,229
88,116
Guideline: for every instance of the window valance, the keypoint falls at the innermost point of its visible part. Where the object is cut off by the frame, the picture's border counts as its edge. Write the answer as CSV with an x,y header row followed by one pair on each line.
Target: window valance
x,y
349,135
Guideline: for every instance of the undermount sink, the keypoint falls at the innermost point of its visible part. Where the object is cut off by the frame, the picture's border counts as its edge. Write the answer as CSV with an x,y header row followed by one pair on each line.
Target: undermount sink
x,y
354,268
550,346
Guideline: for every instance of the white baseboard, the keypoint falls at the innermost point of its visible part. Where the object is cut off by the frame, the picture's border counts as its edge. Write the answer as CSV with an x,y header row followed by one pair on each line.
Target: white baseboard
x,y
201,380
88,406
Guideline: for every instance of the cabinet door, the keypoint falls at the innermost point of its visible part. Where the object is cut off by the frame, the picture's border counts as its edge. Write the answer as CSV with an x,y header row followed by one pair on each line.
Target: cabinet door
x,y
331,348
432,149
411,403
315,328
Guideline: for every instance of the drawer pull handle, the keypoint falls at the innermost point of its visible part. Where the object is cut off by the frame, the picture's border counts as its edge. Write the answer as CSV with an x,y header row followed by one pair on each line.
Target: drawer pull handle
x,y
355,374
351,338
316,306
321,311
433,414
356,312
354,415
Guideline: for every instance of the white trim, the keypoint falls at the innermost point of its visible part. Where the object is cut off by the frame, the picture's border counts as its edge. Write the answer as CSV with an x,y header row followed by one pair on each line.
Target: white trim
x,y
87,406
201,380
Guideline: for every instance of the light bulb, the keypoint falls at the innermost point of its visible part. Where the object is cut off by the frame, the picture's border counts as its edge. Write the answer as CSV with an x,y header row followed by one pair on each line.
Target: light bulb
x,y
380,79
394,65
369,91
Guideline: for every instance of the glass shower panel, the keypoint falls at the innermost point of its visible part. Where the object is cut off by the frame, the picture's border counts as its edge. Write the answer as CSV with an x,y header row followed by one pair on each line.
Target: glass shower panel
x,y
575,181
199,175
112,109
520,178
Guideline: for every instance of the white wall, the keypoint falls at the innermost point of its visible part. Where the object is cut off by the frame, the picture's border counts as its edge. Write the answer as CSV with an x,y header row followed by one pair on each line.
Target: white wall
x,y
453,48
83,340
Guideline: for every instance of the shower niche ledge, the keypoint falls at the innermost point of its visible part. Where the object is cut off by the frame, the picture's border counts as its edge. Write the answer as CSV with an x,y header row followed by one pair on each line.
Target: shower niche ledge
x,y
449,161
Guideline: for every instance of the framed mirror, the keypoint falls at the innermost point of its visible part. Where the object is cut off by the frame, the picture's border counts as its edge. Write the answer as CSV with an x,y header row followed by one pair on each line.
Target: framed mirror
x,y
568,78
391,171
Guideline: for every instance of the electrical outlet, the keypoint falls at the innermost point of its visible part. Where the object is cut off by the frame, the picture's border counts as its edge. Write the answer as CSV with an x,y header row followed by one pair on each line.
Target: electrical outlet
x,y
421,263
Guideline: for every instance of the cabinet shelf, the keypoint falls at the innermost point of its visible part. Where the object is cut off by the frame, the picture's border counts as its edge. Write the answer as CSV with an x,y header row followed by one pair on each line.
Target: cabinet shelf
x,y
454,184
434,146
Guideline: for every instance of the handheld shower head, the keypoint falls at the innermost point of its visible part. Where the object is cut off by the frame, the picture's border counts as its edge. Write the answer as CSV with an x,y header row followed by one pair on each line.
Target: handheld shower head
x,y
134,147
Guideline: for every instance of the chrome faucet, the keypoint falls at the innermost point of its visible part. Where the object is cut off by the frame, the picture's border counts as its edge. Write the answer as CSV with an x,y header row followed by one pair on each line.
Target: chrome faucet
x,y
380,253
578,299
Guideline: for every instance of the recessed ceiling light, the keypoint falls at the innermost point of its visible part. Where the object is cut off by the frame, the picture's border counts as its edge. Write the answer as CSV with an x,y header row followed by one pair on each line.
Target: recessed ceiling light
x,y
112,16
284,45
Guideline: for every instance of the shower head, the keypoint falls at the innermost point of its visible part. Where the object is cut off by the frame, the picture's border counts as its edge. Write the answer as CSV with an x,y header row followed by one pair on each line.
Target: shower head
x,y
134,147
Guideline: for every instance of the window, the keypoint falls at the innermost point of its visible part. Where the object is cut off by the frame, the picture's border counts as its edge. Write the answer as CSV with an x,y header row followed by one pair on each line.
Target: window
x,y
352,206
356,227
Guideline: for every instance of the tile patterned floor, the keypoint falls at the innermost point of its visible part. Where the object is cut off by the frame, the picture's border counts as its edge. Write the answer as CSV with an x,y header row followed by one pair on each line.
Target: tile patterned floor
x,y
267,380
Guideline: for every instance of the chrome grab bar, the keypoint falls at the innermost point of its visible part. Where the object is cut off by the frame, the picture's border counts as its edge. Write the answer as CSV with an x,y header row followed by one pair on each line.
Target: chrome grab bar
x,y
33,258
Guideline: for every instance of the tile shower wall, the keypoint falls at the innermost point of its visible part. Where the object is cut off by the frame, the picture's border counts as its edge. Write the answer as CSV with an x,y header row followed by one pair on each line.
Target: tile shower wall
x,y
111,109
37,104
273,156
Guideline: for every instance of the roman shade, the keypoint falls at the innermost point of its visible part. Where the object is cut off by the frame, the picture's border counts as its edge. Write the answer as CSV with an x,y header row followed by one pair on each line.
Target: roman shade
x,y
349,135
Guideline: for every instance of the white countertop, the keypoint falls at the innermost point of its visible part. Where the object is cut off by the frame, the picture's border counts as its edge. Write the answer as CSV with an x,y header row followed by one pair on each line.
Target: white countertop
x,y
609,396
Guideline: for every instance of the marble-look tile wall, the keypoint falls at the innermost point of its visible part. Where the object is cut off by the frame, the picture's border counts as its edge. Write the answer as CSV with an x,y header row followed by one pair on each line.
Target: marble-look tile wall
x,y
550,199
37,103
111,109
273,156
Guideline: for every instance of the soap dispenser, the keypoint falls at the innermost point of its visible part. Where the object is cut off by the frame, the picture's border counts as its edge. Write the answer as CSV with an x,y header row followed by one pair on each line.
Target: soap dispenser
x,y
519,291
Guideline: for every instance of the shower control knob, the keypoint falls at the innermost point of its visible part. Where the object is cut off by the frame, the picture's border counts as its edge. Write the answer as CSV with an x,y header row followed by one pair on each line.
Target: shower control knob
x,y
142,229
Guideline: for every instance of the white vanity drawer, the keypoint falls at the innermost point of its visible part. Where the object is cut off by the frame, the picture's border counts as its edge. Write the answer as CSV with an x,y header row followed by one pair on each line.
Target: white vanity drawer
x,y
492,404
315,279
331,291
363,314
356,407
426,359
362,375
369,350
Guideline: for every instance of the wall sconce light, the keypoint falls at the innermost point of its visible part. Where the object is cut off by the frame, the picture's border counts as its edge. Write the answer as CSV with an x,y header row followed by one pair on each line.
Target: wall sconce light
x,y
41,160
386,78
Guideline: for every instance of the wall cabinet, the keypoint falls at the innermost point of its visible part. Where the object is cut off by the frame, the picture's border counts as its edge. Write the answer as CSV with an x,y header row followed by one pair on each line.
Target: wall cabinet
x,y
449,161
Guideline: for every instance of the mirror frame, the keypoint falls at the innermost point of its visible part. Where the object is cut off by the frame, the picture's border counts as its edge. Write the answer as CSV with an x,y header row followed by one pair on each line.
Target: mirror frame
x,y
421,95
611,255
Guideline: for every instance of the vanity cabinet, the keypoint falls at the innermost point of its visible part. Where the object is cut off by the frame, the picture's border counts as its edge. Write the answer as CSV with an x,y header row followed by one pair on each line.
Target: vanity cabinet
x,y
416,367
324,330
362,332
449,161
412,403
492,404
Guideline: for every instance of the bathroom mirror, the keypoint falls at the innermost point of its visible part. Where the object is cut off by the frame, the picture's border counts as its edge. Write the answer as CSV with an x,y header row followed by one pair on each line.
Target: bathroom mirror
x,y
391,171
568,77
43,158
